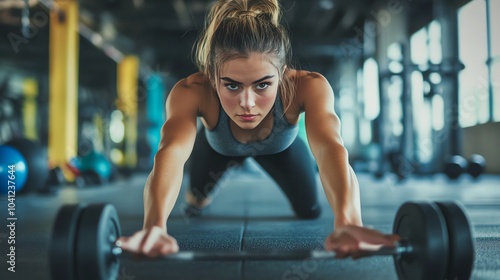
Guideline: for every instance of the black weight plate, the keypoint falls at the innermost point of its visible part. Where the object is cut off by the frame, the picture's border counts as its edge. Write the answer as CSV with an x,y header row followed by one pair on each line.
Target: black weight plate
x,y
62,246
98,229
422,225
461,245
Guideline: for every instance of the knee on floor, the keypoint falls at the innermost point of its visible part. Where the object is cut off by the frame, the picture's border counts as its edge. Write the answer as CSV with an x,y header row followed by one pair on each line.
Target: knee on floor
x,y
309,213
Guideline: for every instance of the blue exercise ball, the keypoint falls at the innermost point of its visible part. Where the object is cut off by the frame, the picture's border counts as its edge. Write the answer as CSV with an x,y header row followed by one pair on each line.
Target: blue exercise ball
x,y
97,163
13,170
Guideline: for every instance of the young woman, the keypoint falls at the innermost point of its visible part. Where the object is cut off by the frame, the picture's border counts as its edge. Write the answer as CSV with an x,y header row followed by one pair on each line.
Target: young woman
x,y
249,102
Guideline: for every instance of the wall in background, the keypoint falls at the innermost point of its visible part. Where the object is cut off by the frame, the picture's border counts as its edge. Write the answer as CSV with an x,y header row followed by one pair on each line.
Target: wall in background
x,y
484,139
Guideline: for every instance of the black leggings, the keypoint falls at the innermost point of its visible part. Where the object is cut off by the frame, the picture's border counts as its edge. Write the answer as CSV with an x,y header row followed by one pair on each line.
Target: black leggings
x,y
292,169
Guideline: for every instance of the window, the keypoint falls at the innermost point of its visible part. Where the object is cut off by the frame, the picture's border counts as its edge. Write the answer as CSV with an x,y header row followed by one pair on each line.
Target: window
x,y
494,17
473,80
425,49
419,51
371,89
495,76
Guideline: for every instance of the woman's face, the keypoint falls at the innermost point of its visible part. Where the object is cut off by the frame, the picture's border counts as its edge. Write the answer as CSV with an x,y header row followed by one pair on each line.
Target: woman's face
x,y
247,89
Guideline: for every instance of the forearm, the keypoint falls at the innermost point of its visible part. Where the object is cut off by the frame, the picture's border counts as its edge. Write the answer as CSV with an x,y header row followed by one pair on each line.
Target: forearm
x,y
162,187
340,185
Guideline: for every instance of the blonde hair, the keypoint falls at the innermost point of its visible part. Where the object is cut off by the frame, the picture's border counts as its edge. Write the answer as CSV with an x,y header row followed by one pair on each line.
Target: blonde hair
x,y
237,28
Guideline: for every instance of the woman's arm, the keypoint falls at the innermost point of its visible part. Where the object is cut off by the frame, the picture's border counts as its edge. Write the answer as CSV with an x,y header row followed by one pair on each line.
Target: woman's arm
x,y
323,133
177,141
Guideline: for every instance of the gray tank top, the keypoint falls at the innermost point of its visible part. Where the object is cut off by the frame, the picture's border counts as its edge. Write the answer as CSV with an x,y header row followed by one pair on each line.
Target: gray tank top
x,y
281,137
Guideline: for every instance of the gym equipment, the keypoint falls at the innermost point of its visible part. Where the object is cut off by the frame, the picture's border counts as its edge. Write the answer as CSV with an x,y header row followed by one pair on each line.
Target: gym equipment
x,y
36,161
455,166
91,178
18,174
62,262
97,163
55,180
399,166
461,246
424,227
56,177
430,248
98,225
476,165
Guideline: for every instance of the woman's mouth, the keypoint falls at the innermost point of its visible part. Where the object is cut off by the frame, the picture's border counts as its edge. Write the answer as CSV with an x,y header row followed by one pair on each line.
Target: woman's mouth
x,y
247,117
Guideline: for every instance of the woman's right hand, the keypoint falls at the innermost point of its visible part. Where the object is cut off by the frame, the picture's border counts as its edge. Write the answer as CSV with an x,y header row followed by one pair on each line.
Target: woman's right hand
x,y
152,243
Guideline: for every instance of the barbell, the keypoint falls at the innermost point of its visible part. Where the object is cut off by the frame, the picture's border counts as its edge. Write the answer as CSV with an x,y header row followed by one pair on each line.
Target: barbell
x,y
436,243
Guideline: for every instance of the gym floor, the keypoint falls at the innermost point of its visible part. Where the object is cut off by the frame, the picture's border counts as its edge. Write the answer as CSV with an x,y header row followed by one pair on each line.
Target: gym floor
x,y
250,213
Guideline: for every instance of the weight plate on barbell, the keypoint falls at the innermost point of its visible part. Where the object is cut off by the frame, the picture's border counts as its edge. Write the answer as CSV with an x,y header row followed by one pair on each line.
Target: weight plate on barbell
x,y
62,247
422,225
461,258
98,230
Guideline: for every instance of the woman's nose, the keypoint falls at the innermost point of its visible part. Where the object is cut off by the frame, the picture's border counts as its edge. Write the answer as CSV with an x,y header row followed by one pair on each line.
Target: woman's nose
x,y
247,101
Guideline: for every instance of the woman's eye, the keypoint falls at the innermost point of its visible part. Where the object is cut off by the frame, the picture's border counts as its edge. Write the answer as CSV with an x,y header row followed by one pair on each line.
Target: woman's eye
x,y
231,86
263,85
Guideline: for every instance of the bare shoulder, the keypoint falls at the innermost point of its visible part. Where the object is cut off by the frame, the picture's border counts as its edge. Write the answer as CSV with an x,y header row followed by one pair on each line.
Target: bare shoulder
x,y
194,84
311,86
190,92
307,80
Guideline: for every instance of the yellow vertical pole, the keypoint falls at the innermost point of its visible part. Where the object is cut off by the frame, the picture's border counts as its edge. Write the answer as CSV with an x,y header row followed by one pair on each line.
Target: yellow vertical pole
x,y
63,81
30,91
127,85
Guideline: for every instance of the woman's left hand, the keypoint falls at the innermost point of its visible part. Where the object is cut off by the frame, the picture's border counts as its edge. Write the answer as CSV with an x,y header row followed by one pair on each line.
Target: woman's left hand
x,y
356,241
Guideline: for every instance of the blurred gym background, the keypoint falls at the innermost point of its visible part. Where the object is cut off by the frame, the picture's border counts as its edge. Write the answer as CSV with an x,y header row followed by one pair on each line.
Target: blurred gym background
x,y
416,82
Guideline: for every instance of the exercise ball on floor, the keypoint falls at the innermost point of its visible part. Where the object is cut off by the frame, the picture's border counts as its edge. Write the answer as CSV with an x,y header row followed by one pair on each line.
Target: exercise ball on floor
x,y
13,170
37,162
96,162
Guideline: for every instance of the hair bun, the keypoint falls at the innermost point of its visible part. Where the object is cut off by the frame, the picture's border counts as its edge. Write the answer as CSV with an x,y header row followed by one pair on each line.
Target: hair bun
x,y
256,14
265,16
246,14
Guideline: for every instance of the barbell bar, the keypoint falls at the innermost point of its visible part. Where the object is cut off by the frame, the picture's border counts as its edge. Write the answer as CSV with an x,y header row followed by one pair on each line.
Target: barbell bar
x,y
436,243
262,255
